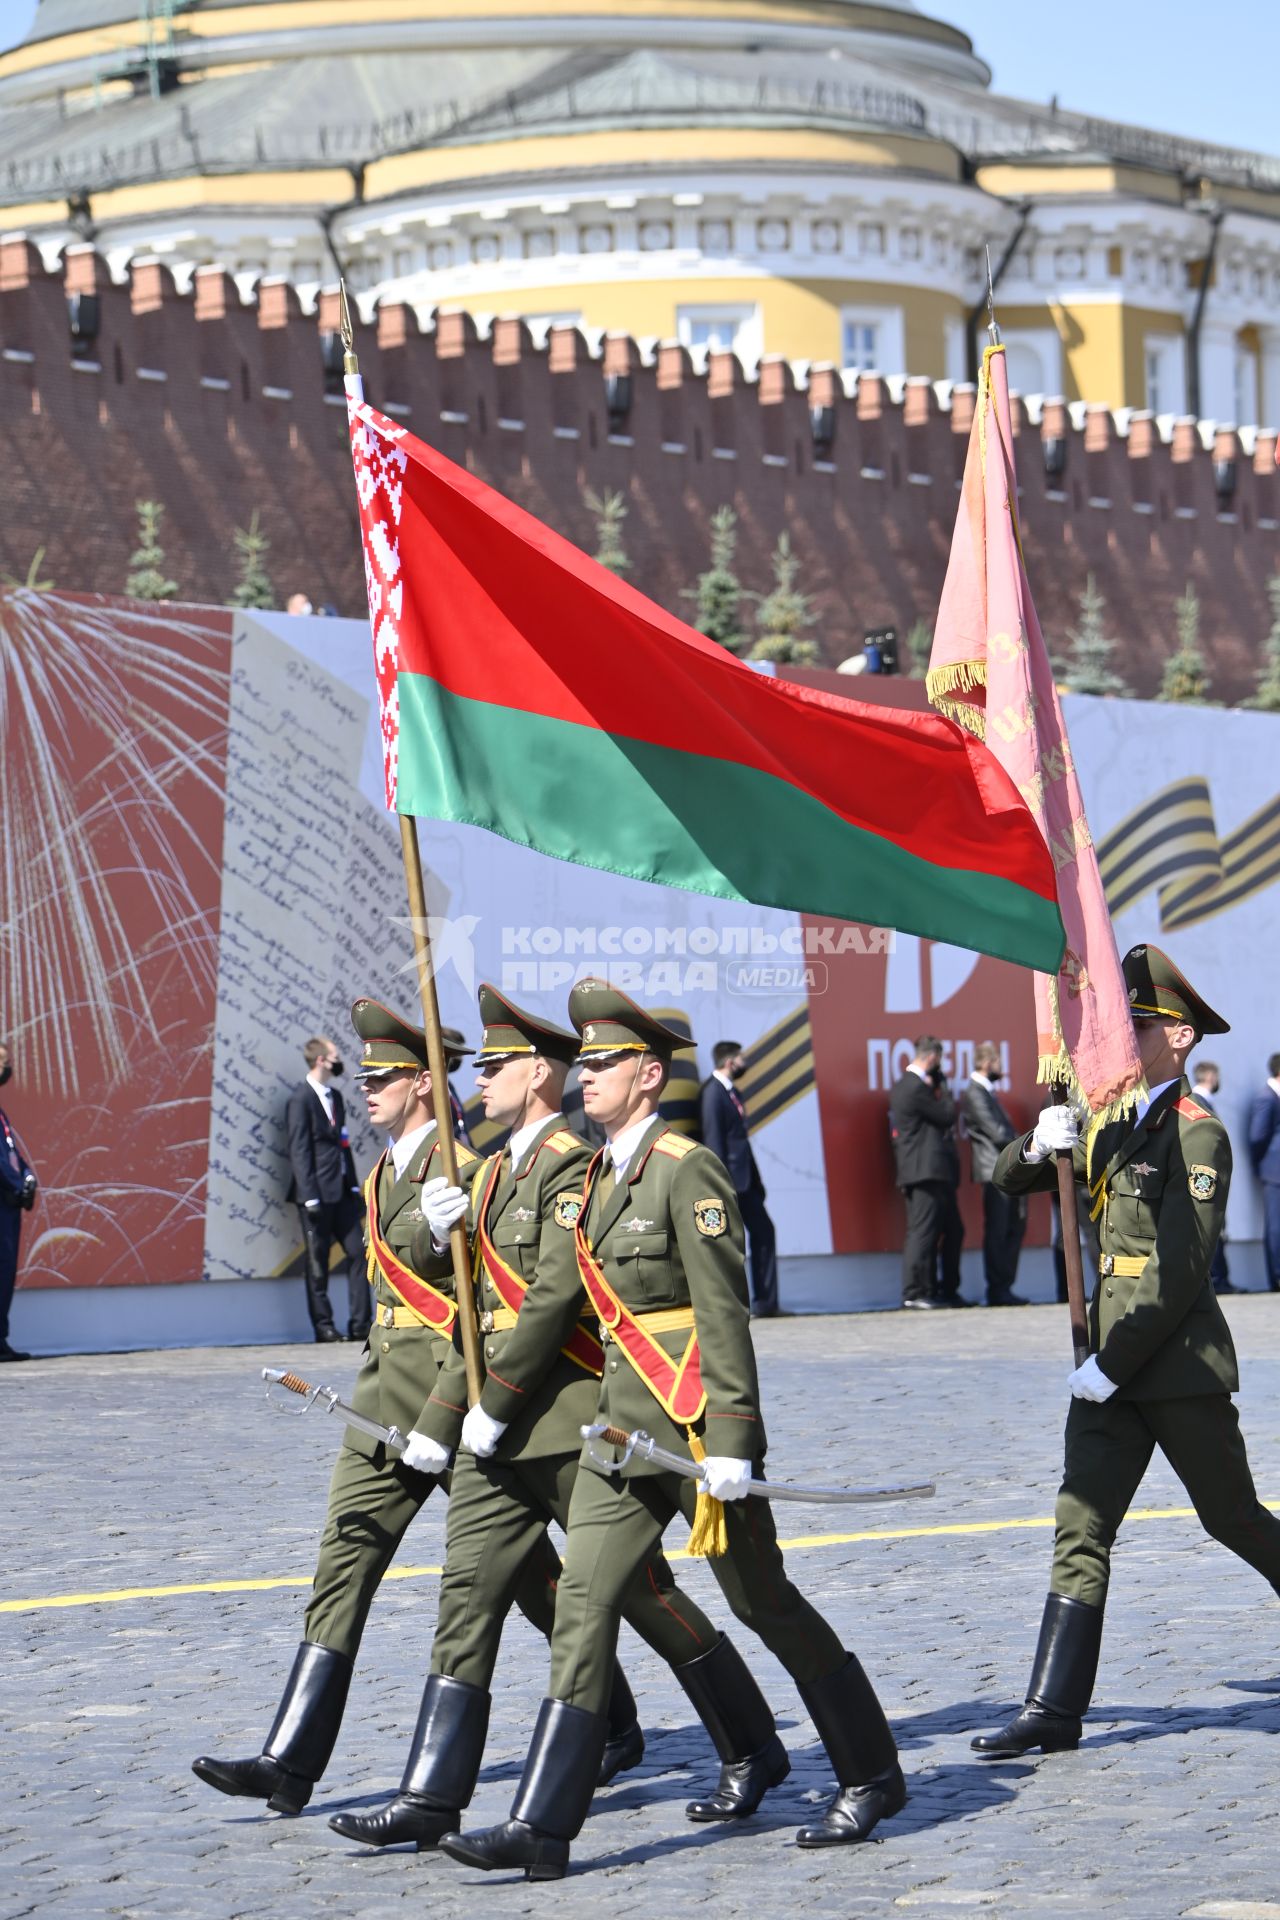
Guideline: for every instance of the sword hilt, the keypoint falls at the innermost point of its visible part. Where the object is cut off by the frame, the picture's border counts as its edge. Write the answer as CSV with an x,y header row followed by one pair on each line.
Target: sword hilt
x,y
295,1383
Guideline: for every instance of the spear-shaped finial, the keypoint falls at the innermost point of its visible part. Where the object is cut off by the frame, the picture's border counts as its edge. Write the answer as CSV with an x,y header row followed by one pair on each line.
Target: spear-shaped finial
x,y
992,329
349,362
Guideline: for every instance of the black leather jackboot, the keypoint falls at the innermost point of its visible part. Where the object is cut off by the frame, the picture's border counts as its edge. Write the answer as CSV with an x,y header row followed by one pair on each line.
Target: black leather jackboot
x,y
301,1740
551,1802
1061,1684
740,1721
855,1733
624,1747
440,1773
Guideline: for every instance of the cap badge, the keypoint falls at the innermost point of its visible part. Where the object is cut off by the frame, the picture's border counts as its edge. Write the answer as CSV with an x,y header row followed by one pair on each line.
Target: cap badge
x,y
588,1032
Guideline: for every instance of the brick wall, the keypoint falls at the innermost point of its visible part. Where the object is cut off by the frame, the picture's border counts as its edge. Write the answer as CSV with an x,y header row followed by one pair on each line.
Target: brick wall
x,y
217,409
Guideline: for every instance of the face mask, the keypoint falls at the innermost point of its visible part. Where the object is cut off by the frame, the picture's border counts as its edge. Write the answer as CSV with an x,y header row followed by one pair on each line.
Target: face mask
x,y
6,1074
335,1068
737,1070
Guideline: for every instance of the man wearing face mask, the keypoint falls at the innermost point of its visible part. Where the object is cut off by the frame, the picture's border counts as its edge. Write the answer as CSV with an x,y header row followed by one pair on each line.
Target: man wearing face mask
x,y
520,1449
17,1196
723,1119
374,1494
1004,1215
323,1184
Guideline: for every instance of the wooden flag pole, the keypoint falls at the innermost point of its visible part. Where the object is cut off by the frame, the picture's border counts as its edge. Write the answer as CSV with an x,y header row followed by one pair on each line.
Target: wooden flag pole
x,y
1068,1210
459,1247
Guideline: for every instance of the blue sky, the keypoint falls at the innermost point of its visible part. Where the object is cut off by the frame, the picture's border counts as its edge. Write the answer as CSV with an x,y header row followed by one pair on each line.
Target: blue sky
x,y
1160,63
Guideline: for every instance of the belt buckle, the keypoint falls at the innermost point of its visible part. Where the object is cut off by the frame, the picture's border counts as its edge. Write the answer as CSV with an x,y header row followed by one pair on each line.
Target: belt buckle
x,y
486,1322
386,1316
1106,1266
605,1335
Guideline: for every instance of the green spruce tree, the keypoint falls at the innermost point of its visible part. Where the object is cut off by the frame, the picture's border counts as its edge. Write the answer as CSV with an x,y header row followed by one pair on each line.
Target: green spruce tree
x,y
609,511
253,586
1186,677
1087,668
919,648
783,615
719,590
147,579
1267,696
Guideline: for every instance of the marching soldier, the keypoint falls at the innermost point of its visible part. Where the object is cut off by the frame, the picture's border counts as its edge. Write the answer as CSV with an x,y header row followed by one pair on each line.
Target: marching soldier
x,y
519,1461
660,1249
1162,1367
375,1494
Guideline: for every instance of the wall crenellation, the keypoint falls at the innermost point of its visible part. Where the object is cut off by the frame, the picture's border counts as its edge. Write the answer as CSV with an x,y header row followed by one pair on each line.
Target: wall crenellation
x,y
218,408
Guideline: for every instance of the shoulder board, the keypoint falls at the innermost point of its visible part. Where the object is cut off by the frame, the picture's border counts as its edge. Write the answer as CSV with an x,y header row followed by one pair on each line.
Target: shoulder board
x,y
562,1141
466,1156
1191,1109
674,1145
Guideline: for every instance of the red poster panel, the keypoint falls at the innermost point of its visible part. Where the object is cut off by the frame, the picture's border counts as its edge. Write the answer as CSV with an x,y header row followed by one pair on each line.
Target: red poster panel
x,y
114,742
867,1005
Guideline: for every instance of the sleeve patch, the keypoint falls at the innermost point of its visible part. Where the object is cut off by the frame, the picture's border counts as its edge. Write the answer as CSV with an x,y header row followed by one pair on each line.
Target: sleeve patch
x,y
710,1218
568,1207
1203,1182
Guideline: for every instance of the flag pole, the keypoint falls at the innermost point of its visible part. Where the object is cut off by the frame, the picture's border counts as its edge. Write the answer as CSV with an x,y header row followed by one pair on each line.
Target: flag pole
x,y
415,884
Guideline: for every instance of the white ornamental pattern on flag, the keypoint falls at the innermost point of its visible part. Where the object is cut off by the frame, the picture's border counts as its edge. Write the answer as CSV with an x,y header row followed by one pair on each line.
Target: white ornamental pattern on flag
x,y
380,468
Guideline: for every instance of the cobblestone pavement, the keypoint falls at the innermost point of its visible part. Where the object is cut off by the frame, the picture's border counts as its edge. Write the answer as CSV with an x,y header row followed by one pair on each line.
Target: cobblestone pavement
x,y
167,1470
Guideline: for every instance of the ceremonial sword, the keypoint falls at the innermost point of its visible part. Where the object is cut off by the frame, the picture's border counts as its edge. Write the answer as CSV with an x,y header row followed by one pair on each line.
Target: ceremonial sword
x,y
640,1443
327,1397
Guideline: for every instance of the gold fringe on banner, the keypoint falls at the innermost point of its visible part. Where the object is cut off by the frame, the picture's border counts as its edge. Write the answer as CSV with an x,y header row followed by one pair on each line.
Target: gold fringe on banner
x,y
710,1536
943,684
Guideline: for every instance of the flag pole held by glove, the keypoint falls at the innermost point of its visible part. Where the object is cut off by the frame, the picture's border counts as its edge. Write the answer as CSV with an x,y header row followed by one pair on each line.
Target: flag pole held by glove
x,y
640,1444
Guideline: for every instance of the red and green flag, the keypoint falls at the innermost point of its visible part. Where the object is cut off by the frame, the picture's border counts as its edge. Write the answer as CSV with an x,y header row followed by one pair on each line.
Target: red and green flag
x,y
527,690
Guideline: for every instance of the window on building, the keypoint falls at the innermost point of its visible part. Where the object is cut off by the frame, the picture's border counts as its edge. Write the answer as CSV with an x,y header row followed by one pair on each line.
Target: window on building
x,y
872,340
721,330
1033,359
1164,360
1246,387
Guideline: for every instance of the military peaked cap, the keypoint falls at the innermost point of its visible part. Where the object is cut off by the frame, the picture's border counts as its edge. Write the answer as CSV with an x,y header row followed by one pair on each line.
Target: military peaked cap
x,y
509,1030
609,1022
390,1043
1158,991
454,1042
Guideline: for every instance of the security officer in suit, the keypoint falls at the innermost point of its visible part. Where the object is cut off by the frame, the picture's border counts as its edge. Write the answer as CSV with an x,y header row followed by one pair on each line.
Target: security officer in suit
x,y
659,1243
17,1196
722,1118
1264,1153
455,1052
922,1123
324,1185
1161,1368
375,1494
520,1449
1004,1215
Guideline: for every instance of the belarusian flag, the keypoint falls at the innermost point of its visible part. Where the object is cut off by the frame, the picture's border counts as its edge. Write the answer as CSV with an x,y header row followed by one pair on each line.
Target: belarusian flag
x,y
527,690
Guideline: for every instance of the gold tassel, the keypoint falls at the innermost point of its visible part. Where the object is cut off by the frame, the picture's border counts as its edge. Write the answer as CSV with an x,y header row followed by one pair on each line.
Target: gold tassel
x,y
710,1537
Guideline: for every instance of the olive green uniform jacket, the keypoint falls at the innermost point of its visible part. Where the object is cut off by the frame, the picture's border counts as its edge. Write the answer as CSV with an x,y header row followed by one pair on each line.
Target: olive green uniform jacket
x,y
1162,1186
544,1397
670,1235
401,1364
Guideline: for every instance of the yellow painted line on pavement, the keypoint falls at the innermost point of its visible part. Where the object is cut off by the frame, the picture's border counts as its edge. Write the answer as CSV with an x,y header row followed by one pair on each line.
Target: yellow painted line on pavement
x,y
798,1544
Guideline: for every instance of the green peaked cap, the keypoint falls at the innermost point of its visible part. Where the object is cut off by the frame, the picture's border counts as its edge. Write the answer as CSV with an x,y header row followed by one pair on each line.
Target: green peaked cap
x,y
1157,988
509,1029
610,1022
390,1043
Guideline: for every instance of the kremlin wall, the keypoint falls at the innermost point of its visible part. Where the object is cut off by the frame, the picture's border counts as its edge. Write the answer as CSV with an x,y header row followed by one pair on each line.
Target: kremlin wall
x,y
219,407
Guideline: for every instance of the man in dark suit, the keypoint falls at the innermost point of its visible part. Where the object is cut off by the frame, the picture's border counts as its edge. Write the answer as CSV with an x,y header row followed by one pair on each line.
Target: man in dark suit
x,y
922,1122
722,1118
1264,1152
455,1052
324,1185
17,1196
1206,1084
1004,1215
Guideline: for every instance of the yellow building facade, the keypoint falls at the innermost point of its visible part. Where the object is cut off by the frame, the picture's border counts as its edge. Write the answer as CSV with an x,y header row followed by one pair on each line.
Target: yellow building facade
x,y
818,179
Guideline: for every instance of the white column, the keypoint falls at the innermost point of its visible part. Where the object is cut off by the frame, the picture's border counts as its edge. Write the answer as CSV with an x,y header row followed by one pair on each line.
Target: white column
x,y
1270,407
1218,372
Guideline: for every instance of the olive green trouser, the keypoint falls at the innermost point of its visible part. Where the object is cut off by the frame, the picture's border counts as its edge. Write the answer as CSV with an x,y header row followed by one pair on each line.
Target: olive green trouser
x,y
498,1511
1108,1449
615,1526
371,1503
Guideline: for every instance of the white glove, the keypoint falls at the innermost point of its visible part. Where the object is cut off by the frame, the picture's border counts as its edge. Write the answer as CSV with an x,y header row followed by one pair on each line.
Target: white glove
x,y
1057,1130
1089,1382
725,1479
425,1455
312,1206
442,1207
481,1434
